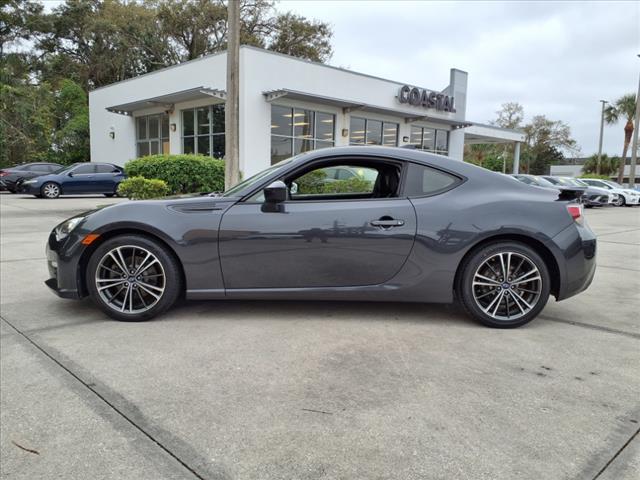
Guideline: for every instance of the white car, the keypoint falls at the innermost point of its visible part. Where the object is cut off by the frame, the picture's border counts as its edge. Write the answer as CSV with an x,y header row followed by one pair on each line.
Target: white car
x,y
626,196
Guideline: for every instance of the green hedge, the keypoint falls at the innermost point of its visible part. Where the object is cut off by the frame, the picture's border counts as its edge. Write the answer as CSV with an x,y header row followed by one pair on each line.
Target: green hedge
x,y
593,175
182,173
140,188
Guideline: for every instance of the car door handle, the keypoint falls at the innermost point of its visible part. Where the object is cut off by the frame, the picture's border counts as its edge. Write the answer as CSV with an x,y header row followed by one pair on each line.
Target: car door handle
x,y
387,223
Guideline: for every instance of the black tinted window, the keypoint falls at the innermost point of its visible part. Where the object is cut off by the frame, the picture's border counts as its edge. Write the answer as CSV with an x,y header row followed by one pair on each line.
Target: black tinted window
x,y
85,169
423,180
106,169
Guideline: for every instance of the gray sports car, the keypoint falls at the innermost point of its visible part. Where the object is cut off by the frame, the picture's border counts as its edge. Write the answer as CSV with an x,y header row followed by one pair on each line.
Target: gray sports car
x,y
407,226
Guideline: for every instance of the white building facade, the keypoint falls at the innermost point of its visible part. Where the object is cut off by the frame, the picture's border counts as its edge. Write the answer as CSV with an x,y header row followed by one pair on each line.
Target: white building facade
x,y
287,106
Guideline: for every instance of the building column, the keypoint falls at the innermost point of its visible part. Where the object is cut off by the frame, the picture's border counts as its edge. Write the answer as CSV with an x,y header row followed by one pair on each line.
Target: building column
x,y
516,158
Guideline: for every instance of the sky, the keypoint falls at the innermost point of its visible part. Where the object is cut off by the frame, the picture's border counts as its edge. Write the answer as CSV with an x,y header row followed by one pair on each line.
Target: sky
x,y
555,58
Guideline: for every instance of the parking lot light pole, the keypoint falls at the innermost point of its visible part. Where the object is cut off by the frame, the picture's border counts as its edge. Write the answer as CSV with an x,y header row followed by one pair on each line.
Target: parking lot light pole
x,y
604,102
634,144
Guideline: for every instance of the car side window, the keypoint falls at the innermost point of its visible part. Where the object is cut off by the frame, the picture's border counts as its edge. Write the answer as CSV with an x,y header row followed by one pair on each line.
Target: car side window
x,y
83,169
106,169
422,181
322,182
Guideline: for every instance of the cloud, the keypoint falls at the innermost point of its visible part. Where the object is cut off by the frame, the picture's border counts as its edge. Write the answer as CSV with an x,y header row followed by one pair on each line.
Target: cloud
x,y
556,58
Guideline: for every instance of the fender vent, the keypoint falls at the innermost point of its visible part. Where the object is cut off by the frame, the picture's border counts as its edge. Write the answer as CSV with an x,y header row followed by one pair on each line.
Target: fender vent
x,y
200,207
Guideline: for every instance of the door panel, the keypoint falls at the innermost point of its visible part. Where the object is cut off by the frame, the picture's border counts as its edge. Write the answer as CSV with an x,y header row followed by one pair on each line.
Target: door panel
x,y
315,244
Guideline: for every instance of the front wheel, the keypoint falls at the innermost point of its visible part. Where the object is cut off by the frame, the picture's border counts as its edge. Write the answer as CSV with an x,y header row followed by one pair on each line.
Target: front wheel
x,y
620,202
504,285
50,190
133,278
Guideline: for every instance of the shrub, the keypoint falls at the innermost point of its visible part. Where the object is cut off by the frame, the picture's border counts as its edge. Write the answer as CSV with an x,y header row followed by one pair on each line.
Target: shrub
x,y
593,175
182,173
140,188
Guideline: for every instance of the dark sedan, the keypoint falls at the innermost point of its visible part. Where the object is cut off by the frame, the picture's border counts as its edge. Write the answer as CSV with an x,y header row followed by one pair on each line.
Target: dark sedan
x,y
12,177
79,178
426,229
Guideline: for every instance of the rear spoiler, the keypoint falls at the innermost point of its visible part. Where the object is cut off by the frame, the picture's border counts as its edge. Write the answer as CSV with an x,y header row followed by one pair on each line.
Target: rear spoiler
x,y
570,193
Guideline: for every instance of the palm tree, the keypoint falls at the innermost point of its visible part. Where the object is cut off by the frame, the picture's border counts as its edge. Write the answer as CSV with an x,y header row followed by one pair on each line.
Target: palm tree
x,y
623,108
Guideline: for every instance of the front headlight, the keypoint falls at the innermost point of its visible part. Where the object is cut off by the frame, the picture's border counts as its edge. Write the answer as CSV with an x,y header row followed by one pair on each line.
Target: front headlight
x,y
65,228
29,181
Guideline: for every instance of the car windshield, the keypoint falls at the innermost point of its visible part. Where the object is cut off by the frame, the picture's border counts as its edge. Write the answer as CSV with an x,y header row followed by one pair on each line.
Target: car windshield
x,y
543,182
580,182
613,184
245,184
572,182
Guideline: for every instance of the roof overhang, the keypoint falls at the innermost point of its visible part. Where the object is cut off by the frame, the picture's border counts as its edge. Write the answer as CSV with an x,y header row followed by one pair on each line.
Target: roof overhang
x,y
349,106
480,133
168,100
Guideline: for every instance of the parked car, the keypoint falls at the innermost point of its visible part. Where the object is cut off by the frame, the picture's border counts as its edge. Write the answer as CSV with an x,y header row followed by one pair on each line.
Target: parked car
x,y
79,178
626,196
428,229
592,196
589,196
12,177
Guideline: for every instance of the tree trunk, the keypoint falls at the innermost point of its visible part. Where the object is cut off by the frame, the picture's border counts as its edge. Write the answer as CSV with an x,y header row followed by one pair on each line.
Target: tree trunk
x,y
628,131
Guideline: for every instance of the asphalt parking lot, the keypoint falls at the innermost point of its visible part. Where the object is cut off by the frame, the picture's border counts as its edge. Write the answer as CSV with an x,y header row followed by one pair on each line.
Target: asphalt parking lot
x,y
261,390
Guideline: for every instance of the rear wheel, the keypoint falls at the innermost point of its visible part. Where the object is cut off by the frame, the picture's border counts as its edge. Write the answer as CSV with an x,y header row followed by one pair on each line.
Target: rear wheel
x,y
504,285
50,190
133,278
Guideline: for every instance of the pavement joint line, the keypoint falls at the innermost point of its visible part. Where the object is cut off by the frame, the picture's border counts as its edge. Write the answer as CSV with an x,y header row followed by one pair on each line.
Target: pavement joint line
x,y
22,259
602,470
620,268
616,233
619,243
107,402
614,331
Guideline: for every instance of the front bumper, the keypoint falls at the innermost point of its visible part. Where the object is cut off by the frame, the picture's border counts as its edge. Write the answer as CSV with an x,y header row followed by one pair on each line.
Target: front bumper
x,y
29,188
64,274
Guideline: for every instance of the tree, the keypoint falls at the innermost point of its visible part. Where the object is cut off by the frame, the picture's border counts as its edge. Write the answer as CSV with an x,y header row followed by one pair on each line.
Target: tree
x,y
623,108
17,20
297,36
545,141
608,165
510,115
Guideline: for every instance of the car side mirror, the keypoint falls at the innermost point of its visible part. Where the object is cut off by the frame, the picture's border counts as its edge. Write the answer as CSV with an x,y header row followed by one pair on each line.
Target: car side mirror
x,y
70,174
276,192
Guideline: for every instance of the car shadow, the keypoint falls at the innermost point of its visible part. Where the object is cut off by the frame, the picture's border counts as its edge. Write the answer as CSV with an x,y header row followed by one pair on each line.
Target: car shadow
x,y
295,310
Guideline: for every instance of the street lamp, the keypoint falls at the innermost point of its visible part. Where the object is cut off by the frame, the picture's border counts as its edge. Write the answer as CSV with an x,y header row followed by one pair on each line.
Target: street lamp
x,y
604,102
634,144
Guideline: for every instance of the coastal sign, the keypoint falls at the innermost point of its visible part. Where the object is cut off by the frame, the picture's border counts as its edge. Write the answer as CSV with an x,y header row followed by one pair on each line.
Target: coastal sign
x,y
421,97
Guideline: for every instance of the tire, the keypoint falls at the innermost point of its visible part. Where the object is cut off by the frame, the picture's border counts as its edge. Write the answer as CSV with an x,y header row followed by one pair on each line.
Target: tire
x,y
621,202
50,190
109,195
153,290
522,302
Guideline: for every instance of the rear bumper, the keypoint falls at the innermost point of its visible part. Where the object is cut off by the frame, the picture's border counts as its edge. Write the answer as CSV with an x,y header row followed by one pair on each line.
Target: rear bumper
x,y
578,244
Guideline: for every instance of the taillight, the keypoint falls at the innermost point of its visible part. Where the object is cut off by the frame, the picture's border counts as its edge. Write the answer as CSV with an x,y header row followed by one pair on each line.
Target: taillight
x,y
3,173
575,211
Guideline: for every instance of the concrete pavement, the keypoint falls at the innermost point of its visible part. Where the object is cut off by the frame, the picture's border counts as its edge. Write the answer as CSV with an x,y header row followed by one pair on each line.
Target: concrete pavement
x,y
237,390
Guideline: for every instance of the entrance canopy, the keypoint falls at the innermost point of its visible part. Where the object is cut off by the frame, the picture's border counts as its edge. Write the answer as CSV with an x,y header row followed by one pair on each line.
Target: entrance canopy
x,y
481,133
168,100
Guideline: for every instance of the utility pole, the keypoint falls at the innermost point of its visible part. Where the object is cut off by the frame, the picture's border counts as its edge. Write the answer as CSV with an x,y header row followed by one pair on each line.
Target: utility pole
x,y
232,107
634,144
604,102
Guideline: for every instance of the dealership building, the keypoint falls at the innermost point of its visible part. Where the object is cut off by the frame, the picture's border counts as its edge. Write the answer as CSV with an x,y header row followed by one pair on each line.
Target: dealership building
x,y
287,106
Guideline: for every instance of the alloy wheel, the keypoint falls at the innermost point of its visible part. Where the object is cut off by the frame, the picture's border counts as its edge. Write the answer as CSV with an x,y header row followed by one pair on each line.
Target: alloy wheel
x,y
130,279
51,190
507,285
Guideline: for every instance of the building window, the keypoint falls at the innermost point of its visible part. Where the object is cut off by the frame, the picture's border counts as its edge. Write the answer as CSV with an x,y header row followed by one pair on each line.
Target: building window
x,y
203,131
296,130
152,135
430,139
372,132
